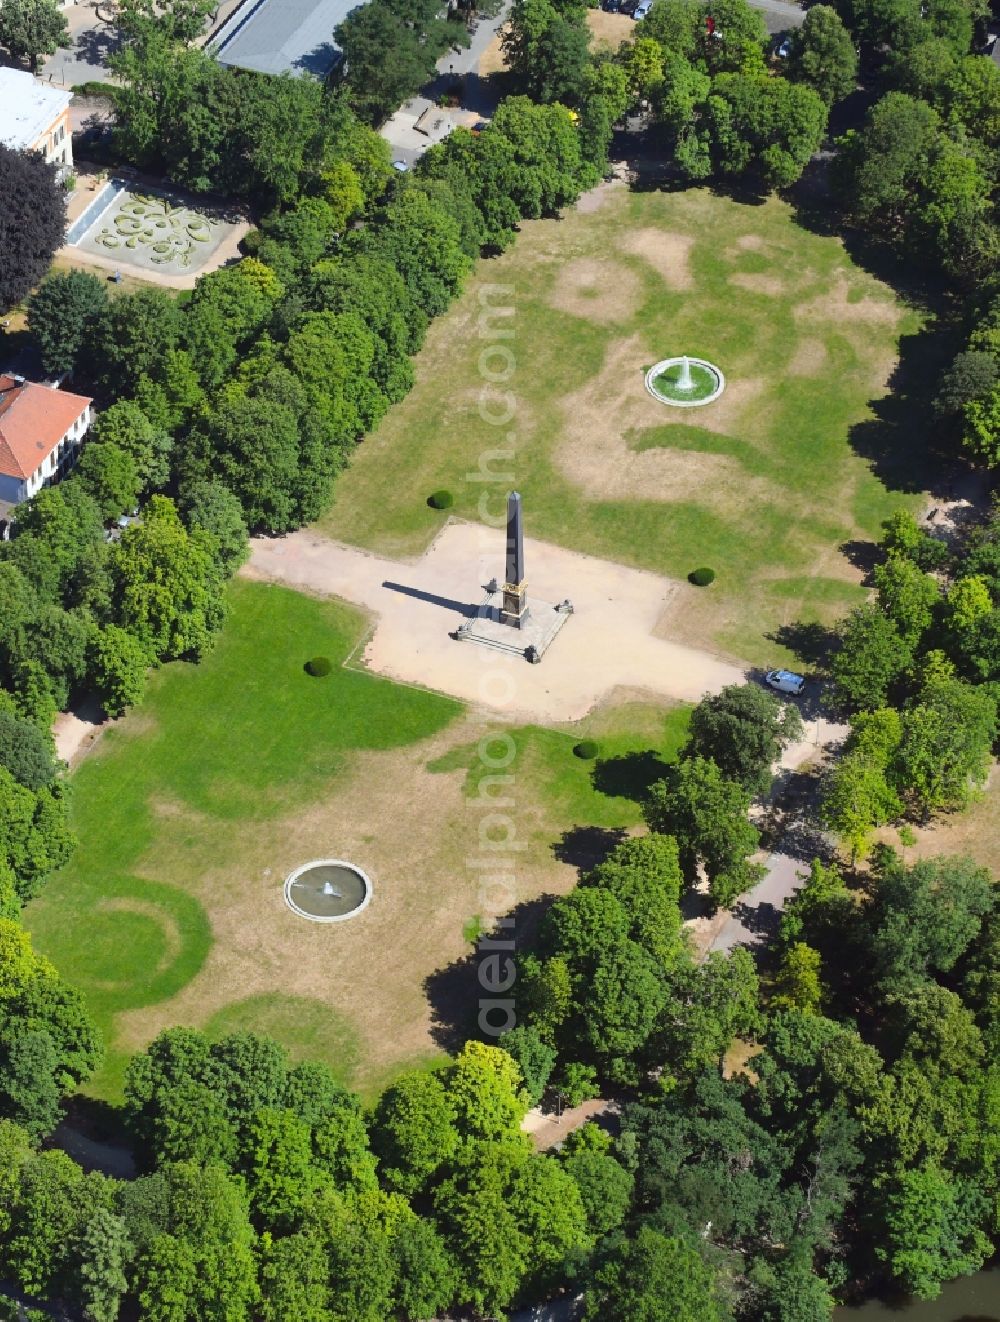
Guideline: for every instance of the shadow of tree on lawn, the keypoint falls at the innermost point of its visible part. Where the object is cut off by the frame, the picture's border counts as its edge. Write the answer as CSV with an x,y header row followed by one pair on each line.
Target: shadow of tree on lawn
x,y
812,643
455,992
863,555
583,847
630,775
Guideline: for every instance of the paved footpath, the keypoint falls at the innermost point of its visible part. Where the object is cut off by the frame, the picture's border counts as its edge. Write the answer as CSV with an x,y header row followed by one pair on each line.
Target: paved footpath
x,y
754,918
547,1130
408,143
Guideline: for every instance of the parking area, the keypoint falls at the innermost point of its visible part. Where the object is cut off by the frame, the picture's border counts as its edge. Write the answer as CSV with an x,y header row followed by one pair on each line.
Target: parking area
x,y
778,15
92,40
421,122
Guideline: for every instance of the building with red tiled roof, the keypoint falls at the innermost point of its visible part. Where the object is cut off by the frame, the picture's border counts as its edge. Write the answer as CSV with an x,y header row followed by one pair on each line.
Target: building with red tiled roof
x,y
41,429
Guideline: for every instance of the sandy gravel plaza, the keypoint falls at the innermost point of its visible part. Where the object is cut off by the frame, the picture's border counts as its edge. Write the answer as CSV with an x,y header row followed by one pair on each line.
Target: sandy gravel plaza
x,y
610,641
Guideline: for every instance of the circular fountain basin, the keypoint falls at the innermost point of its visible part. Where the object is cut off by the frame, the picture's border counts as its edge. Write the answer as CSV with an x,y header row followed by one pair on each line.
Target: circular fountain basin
x,y
328,890
665,381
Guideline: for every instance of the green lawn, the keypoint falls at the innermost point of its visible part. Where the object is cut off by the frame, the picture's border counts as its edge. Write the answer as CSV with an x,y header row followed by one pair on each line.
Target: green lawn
x,y
182,805
310,1030
244,736
185,798
764,485
637,742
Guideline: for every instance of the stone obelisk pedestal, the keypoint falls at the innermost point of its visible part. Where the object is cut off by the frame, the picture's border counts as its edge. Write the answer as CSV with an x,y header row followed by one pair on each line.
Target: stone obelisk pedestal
x,y
508,608
514,610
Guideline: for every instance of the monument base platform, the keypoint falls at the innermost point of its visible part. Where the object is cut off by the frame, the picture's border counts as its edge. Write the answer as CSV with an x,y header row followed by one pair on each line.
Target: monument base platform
x,y
530,640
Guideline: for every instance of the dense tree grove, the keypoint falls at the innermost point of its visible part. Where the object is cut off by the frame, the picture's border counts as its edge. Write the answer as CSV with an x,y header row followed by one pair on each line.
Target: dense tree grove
x,y
918,670
211,127
32,222
861,1148
48,1046
612,988
261,1196
391,48
62,315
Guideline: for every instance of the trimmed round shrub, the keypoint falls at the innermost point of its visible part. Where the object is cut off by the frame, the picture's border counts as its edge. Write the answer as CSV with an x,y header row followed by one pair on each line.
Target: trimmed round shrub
x,y
701,577
587,749
318,666
441,500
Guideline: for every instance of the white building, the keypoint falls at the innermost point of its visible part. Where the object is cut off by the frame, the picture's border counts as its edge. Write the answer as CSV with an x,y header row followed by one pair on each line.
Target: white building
x,y
34,116
41,430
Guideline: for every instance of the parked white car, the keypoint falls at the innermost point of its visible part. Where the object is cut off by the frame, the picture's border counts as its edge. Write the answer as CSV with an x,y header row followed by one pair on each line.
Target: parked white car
x,y
642,9
785,681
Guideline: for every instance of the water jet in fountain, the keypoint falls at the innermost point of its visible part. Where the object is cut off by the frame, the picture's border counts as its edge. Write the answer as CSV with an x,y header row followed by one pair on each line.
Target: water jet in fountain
x,y
685,382
327,890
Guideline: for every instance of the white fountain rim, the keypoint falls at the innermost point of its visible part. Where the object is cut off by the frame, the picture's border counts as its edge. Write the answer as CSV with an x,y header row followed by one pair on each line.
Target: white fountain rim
x,y
675,361
293,877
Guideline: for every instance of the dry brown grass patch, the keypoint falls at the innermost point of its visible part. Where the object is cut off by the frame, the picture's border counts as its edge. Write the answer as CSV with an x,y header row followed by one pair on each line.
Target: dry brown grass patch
x,y
758,283
737,1059
609,29
595,198
668,253
973,832
599,289
492,61
411,830
836,306
594,454
808,359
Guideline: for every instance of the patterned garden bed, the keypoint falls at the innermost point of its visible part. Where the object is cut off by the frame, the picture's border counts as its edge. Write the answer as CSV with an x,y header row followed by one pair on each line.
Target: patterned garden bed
x,y
150,230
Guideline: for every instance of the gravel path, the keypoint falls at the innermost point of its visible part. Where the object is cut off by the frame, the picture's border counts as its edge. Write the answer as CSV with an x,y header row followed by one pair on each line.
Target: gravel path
x,y
76,730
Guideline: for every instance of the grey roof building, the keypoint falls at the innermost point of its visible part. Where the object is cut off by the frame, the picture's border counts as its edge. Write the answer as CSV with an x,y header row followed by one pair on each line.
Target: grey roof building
x,y
33,116
282,36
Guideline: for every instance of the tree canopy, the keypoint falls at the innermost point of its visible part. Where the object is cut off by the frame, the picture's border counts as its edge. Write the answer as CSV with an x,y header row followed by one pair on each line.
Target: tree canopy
x,y
32,221
743,730
32,28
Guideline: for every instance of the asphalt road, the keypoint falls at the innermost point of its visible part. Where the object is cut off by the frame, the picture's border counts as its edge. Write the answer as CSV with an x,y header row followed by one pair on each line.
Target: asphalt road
x,y
92,40
84,60
753,919
779,16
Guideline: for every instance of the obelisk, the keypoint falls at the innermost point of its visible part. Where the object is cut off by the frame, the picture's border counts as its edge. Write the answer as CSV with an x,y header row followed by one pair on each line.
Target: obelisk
x,y
515,606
